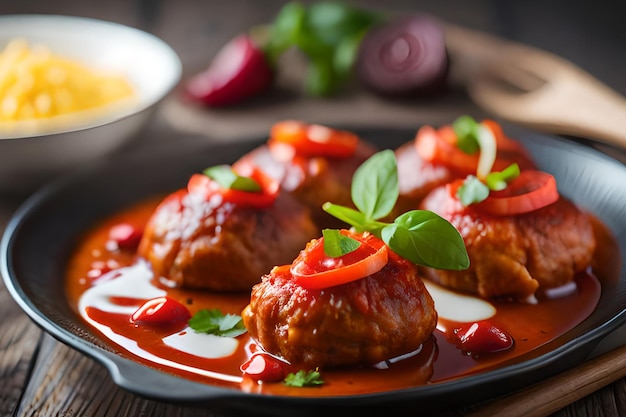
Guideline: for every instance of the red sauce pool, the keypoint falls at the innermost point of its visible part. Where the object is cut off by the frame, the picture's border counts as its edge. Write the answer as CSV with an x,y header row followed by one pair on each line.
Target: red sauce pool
x,y
530,325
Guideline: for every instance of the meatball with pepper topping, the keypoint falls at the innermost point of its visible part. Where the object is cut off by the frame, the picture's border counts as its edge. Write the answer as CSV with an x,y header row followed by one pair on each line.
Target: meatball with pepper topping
x,y
312,162
438,156
314,314
521,240
224,238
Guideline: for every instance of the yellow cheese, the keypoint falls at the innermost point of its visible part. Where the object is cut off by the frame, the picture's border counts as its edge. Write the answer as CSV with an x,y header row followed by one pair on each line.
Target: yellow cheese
x,y
37,84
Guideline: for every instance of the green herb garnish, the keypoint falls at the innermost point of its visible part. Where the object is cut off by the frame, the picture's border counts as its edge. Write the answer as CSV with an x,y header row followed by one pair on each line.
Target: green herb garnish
x,y
497,181
229,179
466,130
418,235
328,33
337,244
213,321
474,190
304,379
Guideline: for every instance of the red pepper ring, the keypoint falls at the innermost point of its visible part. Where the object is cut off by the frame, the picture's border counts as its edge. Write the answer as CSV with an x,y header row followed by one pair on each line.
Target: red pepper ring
x,y
312,269
439,147
204,185
314,139
530,191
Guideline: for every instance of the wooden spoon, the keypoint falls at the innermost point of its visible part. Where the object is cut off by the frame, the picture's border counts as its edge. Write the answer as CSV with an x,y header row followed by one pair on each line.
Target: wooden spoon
x,y
531,87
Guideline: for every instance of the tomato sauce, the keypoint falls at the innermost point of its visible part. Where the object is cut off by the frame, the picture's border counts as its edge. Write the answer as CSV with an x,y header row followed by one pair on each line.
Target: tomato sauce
x,y
92,265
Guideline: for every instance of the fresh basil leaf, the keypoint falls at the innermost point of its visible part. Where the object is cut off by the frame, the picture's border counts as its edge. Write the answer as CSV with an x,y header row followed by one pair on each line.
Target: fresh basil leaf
x,y
304,379
346,214
285,29
472,191
229,179
425,238
321,79
466,129
354,218
333,21
213,321
346,53
337,244
497,181
375,185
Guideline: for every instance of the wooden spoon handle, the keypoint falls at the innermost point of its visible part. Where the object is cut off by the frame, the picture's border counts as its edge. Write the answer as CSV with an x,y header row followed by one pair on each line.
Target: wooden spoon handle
x,y
549,396
563,99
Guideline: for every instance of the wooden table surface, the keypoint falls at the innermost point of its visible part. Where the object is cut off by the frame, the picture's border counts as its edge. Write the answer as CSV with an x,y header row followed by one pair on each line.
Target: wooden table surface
x,y
42,377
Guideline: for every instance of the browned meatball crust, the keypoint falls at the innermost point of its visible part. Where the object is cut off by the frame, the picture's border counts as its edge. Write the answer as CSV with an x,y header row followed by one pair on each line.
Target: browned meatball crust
x,y
363,322
516,255
314,180
194,243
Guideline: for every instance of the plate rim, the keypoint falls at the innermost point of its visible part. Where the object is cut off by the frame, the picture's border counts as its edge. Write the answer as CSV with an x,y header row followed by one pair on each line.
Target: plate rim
x,y
207,392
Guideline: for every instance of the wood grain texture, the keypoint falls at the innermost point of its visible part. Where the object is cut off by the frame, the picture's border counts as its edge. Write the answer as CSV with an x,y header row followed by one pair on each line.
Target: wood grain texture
x,y
41,377
67,383
19,339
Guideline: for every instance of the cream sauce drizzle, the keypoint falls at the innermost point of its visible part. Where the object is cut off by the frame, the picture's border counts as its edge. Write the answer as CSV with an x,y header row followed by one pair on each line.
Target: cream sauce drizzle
x,y
134,282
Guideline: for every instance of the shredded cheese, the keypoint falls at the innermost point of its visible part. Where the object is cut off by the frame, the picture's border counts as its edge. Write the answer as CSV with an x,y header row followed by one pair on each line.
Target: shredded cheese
x,y
37,84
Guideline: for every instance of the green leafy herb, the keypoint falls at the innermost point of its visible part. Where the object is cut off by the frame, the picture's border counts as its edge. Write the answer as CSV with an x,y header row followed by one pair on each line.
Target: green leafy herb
x,y
497,181
466,130
425,238
418,235
283,33
474,191
376,195
304,379
328,33
229,179
337,244
213,321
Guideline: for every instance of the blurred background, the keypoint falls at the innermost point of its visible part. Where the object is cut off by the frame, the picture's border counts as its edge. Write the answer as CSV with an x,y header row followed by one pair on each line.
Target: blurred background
x,y
589,33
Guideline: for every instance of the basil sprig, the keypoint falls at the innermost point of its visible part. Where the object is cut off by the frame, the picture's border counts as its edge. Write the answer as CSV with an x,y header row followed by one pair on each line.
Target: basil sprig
x,y
474,190
420,236
229,179
328,33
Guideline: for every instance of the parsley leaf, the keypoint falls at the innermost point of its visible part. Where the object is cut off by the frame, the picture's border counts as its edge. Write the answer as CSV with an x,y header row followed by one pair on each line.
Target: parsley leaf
x,y
229,179
337,244
304,379
213,321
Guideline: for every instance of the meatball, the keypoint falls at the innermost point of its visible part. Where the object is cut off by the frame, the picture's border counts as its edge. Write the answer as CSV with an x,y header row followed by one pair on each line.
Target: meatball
x,y
363,322
193,242
515,256
313,180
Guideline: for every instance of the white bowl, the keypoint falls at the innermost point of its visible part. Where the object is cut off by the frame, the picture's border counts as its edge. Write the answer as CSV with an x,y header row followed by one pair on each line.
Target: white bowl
x,y
30,157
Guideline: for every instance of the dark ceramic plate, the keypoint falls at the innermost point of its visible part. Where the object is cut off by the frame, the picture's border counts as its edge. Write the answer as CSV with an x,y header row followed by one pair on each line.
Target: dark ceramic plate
x,y
40,236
